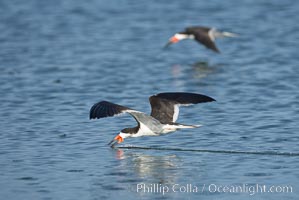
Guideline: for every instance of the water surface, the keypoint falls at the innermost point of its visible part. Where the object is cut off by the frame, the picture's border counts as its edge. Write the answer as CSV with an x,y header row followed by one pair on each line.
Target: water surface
x,y
58,58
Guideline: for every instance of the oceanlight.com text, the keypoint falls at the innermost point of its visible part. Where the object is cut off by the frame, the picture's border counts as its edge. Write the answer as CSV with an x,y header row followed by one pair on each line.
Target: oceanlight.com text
x,y
251,189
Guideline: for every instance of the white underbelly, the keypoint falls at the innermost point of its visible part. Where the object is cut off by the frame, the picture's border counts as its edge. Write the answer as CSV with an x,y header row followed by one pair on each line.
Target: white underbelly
x,y
144,131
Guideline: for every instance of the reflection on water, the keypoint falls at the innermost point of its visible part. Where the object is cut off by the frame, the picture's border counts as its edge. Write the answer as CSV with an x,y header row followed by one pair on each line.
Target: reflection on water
x,y
153,168
183,74
131,168
202,69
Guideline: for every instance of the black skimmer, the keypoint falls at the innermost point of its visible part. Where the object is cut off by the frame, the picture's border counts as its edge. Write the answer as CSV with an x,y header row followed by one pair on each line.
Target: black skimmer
x,y
201,34
165,112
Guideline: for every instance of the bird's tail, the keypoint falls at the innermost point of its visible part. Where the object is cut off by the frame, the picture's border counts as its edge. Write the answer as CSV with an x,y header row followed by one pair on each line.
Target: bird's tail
x,y
229,34
179,126
221,34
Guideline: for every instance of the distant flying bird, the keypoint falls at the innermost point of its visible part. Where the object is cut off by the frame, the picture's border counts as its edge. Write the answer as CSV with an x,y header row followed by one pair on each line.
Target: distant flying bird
x,y
165,112
201,34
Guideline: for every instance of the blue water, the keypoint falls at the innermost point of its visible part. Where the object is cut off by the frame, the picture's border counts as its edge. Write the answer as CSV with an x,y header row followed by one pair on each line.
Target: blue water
x,y
58,58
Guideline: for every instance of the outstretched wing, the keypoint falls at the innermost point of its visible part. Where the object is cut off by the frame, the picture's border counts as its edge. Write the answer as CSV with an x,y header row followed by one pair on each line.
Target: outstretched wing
x,y
107,109
202,35
165,106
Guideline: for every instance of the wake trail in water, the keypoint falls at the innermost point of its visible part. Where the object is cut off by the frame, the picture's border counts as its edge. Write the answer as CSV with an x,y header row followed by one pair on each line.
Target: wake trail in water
x,y
270,153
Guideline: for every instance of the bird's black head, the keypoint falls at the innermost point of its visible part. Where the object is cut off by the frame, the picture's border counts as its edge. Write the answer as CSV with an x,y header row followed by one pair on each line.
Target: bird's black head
x,y
183,33
130,130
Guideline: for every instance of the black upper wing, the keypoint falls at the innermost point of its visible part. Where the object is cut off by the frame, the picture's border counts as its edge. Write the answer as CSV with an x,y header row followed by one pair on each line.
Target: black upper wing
x,y
106,109
201,35
198,28
163,104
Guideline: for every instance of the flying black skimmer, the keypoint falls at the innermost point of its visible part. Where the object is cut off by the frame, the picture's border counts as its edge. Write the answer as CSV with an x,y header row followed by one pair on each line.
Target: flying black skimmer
x,y
165,112
201,34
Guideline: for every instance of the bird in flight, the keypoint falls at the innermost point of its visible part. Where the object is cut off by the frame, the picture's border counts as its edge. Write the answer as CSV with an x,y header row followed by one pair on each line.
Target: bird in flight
x,y
163,117
204,35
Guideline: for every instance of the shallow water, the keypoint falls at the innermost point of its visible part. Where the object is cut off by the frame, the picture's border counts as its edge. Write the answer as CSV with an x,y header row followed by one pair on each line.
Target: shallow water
x,y
58,58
